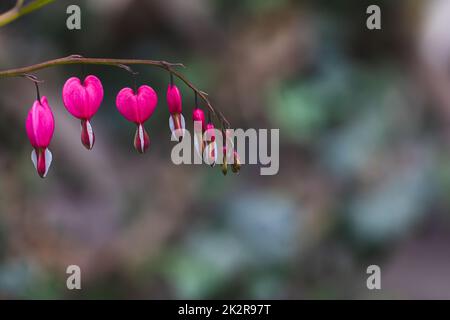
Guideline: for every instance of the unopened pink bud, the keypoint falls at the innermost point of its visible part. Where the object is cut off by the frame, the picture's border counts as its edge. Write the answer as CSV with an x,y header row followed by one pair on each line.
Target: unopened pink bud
x,y
199,115
40,125
173,99
210,126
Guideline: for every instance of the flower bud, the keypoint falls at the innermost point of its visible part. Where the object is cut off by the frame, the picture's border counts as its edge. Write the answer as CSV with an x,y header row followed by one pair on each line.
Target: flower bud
x,y
236,166
199,144
210,126
176,119
211,146
40,125
199,115
173,97
224,166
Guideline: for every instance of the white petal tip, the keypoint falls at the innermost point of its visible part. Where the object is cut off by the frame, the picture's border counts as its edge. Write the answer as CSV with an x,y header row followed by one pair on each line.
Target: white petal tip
x,y
177,133
48,161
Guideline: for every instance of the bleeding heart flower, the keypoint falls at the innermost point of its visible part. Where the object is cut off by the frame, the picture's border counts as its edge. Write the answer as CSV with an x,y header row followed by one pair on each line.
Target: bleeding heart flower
x,y
211,146
199,116
40,125
224,166
82,100
137,108
176,119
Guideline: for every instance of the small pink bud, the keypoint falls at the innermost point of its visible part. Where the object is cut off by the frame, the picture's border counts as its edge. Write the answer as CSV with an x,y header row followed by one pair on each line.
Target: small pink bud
x,y
211,144
173,99
210,126
138,108
82,100
199,143
176,119
199,115
40,125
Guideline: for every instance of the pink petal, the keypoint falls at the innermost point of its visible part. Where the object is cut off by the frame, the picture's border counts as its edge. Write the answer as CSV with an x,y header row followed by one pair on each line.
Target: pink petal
x,y
40,124
210,126
83,100
173,99
138,107
210,150
199,115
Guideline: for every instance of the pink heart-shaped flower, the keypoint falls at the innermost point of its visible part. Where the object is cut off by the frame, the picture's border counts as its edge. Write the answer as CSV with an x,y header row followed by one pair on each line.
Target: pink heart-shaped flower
x,y
82,100
137,107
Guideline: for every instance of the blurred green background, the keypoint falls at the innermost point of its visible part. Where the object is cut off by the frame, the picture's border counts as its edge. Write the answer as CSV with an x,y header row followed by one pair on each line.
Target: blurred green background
x,y
364,178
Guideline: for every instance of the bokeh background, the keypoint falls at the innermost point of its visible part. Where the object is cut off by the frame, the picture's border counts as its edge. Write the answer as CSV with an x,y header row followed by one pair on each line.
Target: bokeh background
x,y
364,119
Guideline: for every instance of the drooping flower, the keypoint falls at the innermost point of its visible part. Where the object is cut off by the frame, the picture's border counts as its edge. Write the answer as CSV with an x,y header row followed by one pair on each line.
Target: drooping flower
x,y
138,108
82,100
40,125
198,116
211,145
176,119
210,126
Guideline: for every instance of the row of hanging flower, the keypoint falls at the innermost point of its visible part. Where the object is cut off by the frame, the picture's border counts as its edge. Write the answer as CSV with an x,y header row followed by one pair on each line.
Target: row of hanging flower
x,y
83,99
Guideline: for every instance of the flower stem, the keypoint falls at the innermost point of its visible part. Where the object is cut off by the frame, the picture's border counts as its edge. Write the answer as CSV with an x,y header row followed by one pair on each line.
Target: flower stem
x,y
38,94
77,59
